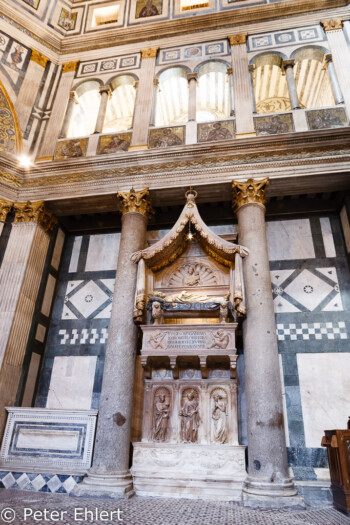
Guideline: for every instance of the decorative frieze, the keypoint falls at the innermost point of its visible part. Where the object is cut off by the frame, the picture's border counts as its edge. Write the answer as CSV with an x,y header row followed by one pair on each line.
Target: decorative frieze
x,y
5,208
252,191
35,212
135,201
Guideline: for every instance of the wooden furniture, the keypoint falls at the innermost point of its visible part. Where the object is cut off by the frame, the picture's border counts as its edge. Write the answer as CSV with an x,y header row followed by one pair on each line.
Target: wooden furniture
x,y
338,449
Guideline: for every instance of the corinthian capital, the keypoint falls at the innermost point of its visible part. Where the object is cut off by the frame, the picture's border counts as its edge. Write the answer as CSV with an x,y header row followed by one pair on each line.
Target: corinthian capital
x,y
149,53
5,208
135,201
35,212
252,191
333,24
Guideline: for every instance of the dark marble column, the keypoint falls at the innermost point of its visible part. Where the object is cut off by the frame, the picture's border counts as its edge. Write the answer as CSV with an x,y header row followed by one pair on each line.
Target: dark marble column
x,y
110,475
268,483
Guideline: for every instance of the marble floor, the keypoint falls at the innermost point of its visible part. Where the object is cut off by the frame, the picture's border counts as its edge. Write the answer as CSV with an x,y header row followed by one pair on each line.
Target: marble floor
x,y
19,507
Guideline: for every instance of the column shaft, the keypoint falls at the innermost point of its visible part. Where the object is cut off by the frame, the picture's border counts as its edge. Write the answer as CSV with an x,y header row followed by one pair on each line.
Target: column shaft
x,y
72,100
251,81
154,102
292,88
105,92
192,96
232,98
338,97
241,86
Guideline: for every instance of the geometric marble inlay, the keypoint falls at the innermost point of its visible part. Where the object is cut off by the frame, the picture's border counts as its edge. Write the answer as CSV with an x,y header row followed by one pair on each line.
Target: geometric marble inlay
x,y
308,289
88,299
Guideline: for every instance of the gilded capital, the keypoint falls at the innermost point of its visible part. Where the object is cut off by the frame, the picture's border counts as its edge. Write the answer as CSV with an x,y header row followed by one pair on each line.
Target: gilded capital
x,y
135,201
5,208
38,58
35,212
333,24
70,66
149,53
236,40
252,191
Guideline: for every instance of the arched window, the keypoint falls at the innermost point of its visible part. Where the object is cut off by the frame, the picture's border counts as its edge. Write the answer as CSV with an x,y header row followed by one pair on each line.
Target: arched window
x,y
311,79
85,111
172,97
120,108
213,92
270,85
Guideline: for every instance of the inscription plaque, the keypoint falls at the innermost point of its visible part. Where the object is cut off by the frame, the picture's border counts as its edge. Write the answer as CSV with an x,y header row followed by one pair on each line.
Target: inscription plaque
x,y
186,339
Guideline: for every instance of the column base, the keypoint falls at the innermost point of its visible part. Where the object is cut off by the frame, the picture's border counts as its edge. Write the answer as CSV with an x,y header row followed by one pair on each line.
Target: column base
x,y
271,495
116,486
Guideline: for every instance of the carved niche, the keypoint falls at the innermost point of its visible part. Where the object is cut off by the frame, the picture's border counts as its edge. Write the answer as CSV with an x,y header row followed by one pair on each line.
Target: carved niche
x,y
219,413
193,275
189,415
161,413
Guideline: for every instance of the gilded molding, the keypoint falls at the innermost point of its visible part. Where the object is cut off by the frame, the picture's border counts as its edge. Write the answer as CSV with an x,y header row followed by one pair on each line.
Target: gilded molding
x,y
149,53
12,180
135,201
333,24
236,40
252,191
38,58
70,66
35,212
5,208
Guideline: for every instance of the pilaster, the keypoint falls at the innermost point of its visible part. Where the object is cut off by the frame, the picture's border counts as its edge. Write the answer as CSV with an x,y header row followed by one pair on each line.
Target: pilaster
x,y
5,208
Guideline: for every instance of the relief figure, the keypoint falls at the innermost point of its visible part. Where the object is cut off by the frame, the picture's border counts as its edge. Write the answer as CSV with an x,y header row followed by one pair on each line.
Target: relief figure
x,y
161,414
221,340
157,314
219,417
156,340
189,417
192,277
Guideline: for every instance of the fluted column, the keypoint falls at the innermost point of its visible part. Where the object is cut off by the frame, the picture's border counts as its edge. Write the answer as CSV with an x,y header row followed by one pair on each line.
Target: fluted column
x,y
110,475
144,98
5,208
29,88
20,278
241,86
192,96
230,83
292,88
251,69
54,126
67,118
338,97
340,55
105,92
268,483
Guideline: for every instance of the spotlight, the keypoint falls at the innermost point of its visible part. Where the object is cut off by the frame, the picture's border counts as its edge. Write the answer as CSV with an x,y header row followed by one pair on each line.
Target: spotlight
x,y
25,161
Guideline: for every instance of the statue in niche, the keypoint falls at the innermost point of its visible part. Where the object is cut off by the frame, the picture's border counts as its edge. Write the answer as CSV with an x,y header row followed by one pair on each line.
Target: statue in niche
x,y
156,340
220,340
161,414
219,416
157,314
189,417
192,277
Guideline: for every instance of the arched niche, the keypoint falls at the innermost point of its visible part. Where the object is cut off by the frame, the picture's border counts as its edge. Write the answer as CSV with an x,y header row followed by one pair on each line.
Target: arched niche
x,y
120,108
213,92
270,85
10,133
172,97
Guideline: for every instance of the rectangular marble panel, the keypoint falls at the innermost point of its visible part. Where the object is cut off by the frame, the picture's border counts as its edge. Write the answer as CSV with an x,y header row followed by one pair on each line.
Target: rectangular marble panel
x,y
72,382
325,392
290,239
57,252
73,266
327,235
40,333
45,440
103,252
31,380
50,288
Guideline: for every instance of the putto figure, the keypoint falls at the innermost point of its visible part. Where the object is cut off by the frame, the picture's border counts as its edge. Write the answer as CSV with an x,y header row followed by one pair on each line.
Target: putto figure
x,y
190,417
161,418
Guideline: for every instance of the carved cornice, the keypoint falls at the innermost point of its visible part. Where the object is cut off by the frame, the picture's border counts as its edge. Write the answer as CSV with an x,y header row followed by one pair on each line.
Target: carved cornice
x,y
252,191
149,53
70,66
237,40
35,212
332,25
135,202
38,58
5,208
10,179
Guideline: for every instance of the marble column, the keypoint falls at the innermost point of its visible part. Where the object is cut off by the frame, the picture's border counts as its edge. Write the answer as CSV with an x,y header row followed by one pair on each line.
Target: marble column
x,y
230,83
251,69
110,475
5,208
30,87
105,92
54,126
241,87
20,277
192,96
144,98
340,55
292,88
268,483
154,102
338,97
72,100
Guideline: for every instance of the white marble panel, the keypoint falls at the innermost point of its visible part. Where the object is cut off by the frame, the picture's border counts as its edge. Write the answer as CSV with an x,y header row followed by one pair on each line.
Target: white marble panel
x,y
36,438
31,380
285,417
57,252
50,288
40,333
327,235
73,265
103,252
325,392
346,227
72,382
290,240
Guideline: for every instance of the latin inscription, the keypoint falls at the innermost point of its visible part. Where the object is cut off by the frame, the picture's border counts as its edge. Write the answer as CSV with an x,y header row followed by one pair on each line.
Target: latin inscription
x,y
186,339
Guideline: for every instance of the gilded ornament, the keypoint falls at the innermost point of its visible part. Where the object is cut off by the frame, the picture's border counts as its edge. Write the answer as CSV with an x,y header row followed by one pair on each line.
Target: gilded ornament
x,y
248,192
333,24
70,66
5,208
149,53
135,201
12,180
38,58
236,40
35,212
